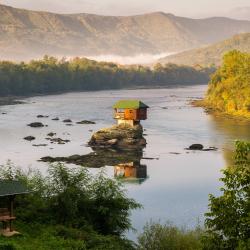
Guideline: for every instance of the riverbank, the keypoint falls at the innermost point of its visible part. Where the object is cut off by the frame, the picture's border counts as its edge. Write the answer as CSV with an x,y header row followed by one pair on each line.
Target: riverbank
x,y
11,100
209,109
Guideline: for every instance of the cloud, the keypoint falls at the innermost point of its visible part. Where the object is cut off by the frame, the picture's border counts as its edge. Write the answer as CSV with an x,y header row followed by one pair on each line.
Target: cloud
x,y
126,60
191,8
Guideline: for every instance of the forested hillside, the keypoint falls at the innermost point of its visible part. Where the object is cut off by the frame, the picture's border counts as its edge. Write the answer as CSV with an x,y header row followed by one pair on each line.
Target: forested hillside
x,y
229,89
51,75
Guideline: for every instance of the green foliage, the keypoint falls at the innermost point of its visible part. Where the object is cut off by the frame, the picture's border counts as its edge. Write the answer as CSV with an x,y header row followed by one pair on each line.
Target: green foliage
x,y
169,237
71,209
229,88
7,246
51,75
228,221
59,237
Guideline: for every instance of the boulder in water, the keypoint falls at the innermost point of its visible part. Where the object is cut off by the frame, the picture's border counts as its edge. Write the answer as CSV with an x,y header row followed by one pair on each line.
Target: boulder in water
x,y
67,121
42,116
29,138
85,122
36,125
196,147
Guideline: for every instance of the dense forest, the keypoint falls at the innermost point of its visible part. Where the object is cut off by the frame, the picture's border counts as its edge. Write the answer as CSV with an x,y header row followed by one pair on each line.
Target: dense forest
x,y
229,88
51,75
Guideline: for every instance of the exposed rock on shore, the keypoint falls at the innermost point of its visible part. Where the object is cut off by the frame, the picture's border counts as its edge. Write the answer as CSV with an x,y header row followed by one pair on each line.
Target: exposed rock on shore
x,y
119,136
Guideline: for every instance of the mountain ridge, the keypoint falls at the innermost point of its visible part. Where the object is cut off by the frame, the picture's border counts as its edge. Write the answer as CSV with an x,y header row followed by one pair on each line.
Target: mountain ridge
x,y
212,54
29,34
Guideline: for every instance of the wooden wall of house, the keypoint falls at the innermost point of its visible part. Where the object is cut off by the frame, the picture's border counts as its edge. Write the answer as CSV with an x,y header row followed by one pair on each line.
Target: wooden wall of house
x,y
136,114
142,114
130,114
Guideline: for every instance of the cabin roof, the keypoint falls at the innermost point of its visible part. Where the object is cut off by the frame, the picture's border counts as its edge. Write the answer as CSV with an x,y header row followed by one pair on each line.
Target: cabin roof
x,y
130,104
11,187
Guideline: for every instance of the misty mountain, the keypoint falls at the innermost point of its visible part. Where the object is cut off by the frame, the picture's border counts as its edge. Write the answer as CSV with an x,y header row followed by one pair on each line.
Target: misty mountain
x,y
30,34
211,54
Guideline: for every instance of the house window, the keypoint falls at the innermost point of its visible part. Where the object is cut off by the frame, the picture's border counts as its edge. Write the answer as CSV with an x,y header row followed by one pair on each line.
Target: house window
x,y
120,110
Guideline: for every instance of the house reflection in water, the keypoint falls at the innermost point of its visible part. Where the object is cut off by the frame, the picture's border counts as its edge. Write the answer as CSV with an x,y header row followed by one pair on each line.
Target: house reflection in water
x,y
132,172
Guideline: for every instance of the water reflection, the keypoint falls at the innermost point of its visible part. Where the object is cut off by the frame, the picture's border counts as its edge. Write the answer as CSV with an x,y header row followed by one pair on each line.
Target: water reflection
x,y
127,163
132,172
228,130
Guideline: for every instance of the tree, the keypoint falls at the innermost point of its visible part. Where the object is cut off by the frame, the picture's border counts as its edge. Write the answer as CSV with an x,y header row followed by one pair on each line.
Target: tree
x,y
74,198
229,88
169,237
228,221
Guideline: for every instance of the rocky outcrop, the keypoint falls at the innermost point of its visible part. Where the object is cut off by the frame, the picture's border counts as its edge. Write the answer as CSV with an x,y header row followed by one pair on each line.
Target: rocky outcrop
x,y
99,158
115,145
119,136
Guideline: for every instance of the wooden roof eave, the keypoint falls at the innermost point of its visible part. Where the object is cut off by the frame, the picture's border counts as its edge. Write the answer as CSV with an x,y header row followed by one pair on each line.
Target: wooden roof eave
x,y
13,194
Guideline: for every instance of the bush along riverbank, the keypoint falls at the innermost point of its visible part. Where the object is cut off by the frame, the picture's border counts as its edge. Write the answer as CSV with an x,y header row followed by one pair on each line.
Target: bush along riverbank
x,y
71,209
229,88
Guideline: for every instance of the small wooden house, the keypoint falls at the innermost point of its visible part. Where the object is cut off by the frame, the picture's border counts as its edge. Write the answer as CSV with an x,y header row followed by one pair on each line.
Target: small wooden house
x,y
8,191
130,112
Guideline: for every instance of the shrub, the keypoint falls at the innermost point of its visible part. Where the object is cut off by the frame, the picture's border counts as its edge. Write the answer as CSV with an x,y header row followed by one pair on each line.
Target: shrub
x,y
228,221
168,237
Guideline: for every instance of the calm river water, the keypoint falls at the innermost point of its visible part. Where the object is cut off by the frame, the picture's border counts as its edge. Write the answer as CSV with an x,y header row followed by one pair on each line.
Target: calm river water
x,y
178,181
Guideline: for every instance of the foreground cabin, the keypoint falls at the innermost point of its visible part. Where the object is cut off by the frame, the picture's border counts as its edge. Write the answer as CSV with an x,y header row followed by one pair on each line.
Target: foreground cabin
x,y
8,191
130,112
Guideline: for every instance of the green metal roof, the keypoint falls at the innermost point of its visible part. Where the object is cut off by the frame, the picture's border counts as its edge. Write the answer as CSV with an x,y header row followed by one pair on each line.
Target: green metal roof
x,y
129,104
8,188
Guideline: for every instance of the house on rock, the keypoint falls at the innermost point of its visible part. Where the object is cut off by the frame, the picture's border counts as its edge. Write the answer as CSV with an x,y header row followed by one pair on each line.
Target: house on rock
x,y
130,112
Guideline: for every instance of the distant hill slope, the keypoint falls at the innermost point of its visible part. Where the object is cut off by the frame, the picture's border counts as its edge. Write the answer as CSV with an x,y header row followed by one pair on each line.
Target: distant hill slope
x,y
212,54
27,34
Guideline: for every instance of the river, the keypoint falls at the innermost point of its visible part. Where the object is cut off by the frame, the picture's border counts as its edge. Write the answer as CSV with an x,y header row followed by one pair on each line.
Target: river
x,y
177,181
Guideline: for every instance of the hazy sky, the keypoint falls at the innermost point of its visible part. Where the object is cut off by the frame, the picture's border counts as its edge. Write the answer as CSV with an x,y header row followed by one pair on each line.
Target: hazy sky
x,y
194,8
